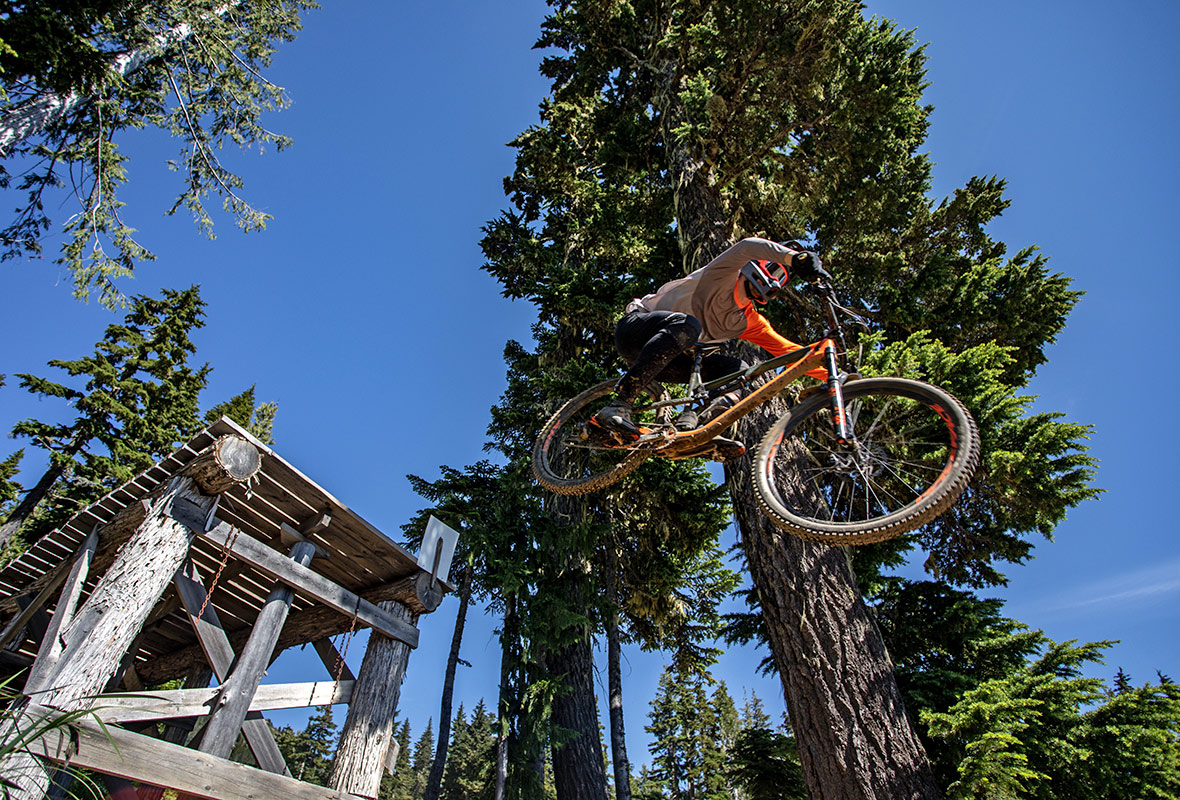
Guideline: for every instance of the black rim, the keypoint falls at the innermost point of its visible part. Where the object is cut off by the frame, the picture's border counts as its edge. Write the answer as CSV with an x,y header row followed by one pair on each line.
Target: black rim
x,y
904,449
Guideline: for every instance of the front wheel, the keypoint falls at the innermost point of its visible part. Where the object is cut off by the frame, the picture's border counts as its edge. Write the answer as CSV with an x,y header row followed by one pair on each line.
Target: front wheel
x,y
913,450
566,460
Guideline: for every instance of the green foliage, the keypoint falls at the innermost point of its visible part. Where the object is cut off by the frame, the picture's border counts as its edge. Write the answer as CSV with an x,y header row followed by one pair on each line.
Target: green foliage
x,y
1046,732
471,757
137,400
398,786
420,761
10,490
703,749
764,765
192,68
309,752
257,418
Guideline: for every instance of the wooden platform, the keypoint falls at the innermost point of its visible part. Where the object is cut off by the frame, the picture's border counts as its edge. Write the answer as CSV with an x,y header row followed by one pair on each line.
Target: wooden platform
x,y
352,554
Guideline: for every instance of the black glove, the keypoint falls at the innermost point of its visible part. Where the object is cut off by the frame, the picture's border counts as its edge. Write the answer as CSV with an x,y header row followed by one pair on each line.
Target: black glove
x,y
808,267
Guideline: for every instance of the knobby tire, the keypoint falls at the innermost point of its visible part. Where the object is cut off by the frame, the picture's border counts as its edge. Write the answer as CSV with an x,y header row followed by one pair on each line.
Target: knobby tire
x,y
916,439
568,471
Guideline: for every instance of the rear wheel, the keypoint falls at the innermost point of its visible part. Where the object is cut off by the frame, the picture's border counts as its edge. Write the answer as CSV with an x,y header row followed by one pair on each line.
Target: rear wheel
x,y
914,449
569,457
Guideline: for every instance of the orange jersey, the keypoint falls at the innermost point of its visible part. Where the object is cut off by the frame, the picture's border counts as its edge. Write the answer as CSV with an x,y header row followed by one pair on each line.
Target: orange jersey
x,y
759,331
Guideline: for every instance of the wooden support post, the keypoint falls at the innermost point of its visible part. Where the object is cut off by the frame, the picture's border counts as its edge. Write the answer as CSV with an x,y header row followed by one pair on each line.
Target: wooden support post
x,y
50,650
368,730
238,691
101,632
220,655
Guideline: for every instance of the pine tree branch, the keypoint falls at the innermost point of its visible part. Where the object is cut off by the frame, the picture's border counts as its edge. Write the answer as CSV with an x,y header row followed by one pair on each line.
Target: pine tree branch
x,y
50,108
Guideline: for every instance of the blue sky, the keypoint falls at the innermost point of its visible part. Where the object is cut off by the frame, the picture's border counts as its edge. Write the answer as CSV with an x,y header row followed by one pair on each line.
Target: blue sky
x,y
362,310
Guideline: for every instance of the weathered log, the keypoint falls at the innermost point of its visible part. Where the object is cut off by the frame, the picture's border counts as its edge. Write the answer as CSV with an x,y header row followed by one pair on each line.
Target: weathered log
x,y
419,592
306,626
238,691
94,642
231,459
368,730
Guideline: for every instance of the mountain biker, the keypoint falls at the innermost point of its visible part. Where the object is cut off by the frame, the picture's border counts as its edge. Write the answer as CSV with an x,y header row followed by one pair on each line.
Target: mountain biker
x,y
713,304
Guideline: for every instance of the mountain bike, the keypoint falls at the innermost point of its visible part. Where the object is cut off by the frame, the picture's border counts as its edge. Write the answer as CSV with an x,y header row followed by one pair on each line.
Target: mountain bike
x,y
864,461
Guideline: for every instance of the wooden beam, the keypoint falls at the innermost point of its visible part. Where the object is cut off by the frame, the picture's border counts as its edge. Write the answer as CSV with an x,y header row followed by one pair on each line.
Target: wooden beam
x,y
136,757
332,659
51,646
207,626
222,731
309,583
172,703
302,627
220,655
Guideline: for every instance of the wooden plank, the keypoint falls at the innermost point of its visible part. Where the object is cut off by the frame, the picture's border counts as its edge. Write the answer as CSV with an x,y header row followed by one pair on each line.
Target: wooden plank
x,y
220,655
311,583
22,619
237,692
136,757
174,703
51,646
332,659
208,627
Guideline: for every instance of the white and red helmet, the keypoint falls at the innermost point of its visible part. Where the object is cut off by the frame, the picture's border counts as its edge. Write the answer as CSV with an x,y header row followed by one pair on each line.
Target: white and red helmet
x,y
764,279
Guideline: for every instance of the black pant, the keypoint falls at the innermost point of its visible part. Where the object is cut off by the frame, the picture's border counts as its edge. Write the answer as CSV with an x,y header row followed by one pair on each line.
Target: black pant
x,y
654,343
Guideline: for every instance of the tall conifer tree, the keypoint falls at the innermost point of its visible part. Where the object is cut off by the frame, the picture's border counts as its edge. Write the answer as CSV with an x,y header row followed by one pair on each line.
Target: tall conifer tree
x,y
673,130
137,401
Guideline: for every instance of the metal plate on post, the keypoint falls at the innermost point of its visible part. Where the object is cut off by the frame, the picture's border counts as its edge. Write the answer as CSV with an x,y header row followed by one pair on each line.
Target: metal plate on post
x,y
438,547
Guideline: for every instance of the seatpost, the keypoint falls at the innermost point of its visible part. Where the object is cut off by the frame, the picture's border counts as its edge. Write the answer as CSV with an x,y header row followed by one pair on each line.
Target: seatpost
x,y
694,382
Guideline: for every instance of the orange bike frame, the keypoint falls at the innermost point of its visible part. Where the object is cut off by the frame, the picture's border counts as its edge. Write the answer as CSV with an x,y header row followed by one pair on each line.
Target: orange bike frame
x,y
820,354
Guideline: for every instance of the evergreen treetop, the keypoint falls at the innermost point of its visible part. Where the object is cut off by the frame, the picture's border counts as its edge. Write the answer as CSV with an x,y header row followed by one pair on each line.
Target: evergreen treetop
x,y
75,74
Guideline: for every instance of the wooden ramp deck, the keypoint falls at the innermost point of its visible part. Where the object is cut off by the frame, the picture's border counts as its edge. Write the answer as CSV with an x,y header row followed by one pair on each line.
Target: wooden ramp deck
x,y
273,550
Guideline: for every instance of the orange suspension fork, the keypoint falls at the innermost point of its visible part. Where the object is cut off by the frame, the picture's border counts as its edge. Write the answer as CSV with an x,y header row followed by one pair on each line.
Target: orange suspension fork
x,y
836,394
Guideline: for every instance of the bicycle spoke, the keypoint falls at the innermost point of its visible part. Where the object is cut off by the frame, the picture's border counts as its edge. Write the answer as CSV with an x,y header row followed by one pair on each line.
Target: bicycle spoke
x,y
902,445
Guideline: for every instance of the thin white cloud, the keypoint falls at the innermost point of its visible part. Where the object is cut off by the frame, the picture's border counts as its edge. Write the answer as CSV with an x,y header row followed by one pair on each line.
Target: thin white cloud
x,y
1136,588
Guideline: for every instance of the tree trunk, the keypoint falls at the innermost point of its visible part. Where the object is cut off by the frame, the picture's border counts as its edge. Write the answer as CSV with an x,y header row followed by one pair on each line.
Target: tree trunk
x,y
34,496
694,195
368,730
578,769
434,781
855,741
618,736
854,738
504,712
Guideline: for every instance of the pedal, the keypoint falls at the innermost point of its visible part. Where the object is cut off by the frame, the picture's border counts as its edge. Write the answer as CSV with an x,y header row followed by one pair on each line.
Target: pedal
x,y
593,431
